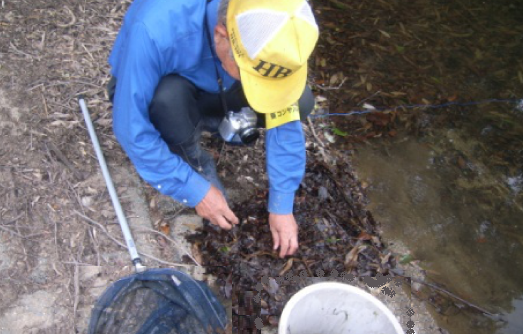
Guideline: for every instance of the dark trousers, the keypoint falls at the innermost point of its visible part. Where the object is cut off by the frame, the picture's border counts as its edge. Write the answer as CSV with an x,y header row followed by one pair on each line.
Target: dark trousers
x,y
180,112
179,109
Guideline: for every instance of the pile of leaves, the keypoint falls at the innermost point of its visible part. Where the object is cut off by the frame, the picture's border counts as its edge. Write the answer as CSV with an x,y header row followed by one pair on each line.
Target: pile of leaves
x,y
337,238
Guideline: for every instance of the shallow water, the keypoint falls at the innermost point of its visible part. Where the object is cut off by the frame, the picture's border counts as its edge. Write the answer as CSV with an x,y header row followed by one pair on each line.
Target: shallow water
x,y
454,194
459,214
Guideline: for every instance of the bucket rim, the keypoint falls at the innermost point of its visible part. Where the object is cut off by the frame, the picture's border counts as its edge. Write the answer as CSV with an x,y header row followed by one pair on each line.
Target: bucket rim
x,y
296,298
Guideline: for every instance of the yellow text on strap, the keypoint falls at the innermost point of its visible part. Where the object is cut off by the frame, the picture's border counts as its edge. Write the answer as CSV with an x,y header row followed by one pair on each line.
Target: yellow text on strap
x,y
291,113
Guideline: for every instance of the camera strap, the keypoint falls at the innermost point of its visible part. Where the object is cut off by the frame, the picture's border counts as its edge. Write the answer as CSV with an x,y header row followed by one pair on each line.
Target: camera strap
x,y
214,57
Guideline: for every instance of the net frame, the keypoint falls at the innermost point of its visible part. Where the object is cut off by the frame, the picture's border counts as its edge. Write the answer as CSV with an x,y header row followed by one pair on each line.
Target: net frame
x,y
158,301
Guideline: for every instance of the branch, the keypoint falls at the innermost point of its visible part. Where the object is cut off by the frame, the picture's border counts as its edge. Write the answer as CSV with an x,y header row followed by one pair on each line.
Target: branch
x,y
174,242
102,228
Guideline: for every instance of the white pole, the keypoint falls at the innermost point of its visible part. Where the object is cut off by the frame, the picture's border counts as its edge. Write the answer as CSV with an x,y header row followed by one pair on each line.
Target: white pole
x,y
122,220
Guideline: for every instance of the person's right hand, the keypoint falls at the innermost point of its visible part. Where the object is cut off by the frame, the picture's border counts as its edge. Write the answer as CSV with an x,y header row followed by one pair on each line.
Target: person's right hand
x,y
214,208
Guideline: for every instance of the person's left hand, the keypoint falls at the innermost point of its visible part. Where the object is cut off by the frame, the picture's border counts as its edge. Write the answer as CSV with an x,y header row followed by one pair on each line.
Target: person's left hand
x,y
284,233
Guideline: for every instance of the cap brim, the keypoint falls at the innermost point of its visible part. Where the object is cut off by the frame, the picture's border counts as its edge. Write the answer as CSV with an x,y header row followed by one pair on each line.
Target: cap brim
x,y
270,95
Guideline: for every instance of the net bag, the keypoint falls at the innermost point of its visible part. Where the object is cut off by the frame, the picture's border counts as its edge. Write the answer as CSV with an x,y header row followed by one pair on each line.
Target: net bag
x,y
158,301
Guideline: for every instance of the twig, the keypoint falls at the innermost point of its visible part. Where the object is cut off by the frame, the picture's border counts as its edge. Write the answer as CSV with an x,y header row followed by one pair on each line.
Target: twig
x,y
95,245
56,239
174,242
259,253
331,88
88,52
306,266
411,62
20,235
11,232
340,187
79,263
178,212
20,52
70,23
45,103
12,220
76,293
65,83
450,294
102,228
221,153
322,145
34,87
369,97
40,45
340,4
76,195
311,126
46,219
63,106
62,158
56,270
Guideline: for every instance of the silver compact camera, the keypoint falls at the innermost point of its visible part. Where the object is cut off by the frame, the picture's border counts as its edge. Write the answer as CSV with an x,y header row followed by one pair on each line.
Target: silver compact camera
x,y
239,127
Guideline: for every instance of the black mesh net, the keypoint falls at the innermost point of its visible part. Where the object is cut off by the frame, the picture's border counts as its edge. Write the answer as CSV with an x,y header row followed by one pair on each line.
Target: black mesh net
x,y
158,301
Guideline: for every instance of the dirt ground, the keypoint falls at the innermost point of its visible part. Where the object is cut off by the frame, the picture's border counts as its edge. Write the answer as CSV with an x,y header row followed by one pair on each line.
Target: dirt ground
x,y
58,232
54,258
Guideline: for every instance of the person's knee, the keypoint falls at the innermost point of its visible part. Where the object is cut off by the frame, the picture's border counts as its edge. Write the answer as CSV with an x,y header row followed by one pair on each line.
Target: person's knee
x,y
173,110
173,90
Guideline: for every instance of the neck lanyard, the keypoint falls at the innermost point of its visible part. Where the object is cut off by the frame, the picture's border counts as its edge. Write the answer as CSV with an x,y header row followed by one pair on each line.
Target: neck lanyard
x,y
214,57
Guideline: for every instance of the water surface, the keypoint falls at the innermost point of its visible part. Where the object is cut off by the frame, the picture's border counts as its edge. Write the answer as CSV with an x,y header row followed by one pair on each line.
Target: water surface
x,y
460,215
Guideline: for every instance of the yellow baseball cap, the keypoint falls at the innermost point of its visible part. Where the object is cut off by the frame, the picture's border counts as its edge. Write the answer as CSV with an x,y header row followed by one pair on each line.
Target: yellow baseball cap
x,y
271,42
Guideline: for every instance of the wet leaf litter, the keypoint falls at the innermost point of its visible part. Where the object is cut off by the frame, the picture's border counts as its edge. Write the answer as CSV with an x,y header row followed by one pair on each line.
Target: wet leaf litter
x,y
337,238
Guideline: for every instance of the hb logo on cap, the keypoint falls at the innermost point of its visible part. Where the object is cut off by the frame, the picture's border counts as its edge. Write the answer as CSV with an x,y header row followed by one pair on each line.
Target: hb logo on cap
x,y
271,42
267,69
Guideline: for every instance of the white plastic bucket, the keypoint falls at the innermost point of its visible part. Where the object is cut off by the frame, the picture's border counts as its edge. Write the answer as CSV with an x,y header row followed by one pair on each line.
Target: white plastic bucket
x,y
336,308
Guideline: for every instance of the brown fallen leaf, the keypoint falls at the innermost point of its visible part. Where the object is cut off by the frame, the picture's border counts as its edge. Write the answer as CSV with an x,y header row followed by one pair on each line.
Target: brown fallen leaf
x,y
273,320
462,163
384,33
165,228
196,253
398,94
351,260
364,236
385,258
286,267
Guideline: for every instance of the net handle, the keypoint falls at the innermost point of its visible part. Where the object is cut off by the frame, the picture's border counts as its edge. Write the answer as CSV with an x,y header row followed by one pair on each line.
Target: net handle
x,y
122,220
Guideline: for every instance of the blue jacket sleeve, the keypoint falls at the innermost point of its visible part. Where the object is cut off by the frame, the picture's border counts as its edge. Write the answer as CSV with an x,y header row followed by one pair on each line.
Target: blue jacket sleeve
x,y
138,75
285,150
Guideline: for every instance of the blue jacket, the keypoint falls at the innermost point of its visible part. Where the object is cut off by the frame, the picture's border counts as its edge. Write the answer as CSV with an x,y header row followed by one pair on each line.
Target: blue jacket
x,y
161,37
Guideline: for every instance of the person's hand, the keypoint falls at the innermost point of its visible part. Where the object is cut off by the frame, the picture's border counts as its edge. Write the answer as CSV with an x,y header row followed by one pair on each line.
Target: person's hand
x,y
214,208
284,233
